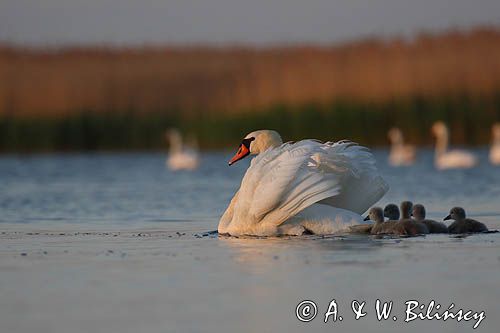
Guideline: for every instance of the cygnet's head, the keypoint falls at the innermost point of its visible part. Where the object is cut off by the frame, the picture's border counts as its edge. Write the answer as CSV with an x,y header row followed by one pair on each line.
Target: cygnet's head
x,y
439,128
375,214
406,208
391,211
419,212
256,142
456,213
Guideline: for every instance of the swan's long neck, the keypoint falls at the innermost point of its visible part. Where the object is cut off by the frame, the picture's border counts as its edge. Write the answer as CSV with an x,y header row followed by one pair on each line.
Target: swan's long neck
x,y
441,143
397,144
175,141
496,138
396,138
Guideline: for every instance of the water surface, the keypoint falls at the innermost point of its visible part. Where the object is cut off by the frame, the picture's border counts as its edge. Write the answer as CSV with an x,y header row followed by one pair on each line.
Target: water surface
x,y
118,243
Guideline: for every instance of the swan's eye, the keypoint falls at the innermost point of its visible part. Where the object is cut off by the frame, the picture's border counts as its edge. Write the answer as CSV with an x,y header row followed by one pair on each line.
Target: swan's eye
x,y
246,142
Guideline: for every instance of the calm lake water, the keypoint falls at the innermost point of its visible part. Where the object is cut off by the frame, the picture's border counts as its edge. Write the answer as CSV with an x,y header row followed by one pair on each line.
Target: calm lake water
x,y
118,243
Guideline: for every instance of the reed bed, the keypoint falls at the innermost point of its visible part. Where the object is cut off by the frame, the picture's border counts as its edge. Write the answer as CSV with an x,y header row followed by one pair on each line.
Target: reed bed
x,y
123,98
234,79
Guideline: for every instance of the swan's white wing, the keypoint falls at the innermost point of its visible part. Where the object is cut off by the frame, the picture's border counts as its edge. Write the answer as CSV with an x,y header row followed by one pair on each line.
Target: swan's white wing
x,y
292,181
183,160
283,181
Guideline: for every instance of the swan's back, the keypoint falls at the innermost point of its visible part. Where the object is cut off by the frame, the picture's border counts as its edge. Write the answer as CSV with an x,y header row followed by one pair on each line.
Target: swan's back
x,y
362,185
402,155
455,159
185,159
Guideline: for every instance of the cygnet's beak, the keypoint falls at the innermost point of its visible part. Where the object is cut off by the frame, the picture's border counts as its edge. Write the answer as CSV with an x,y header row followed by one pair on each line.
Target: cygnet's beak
x,y
241,153
367,218
447,218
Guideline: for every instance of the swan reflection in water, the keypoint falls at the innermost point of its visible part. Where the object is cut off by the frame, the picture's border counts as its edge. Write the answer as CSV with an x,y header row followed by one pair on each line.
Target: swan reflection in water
x,y
262,254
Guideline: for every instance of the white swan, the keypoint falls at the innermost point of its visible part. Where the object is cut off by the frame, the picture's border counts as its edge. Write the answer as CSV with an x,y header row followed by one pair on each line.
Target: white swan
x,y
180,157
301,187
495,147
449,159
401,154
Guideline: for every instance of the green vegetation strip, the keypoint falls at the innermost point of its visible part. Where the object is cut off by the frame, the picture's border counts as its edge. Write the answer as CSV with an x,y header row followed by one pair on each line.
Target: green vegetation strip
x,y
367,123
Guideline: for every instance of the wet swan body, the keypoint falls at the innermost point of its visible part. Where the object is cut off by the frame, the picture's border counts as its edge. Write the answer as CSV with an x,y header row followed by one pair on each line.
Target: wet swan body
x,y
301,187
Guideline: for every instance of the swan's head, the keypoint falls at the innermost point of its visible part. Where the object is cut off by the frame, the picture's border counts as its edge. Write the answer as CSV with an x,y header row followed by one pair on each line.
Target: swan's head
x,y
439,128
256,142
456,213
376,214
391,211
172,134
406,208
395,134
419,212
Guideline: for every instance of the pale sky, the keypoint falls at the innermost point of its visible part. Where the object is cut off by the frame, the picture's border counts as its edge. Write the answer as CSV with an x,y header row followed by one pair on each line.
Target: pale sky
x,y
125,22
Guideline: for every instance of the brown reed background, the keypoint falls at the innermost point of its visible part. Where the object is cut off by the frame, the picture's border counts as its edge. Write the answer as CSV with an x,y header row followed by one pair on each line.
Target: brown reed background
x,y
179,84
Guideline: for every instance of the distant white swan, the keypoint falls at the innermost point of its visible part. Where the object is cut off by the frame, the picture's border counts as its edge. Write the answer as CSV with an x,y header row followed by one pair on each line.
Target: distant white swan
x,y
302,187
495,147
401,154
449,159
180,157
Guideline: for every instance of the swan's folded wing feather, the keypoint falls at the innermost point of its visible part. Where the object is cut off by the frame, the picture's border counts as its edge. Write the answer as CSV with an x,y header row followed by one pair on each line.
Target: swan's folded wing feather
x,y
271,177
292,181
363,186
227,217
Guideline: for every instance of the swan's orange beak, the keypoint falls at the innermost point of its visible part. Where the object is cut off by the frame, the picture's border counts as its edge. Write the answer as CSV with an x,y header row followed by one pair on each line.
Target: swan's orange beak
x,y
241,153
